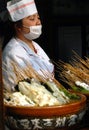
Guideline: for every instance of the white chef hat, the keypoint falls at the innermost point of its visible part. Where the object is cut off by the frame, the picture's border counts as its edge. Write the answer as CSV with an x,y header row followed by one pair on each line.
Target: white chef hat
x,y
19,9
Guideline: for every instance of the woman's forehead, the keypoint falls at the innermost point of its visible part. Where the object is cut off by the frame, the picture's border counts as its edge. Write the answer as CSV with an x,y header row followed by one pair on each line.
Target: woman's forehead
x,y
36,14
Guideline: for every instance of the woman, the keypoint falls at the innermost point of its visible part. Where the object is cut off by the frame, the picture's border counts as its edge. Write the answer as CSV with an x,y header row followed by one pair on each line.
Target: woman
x,y
21,47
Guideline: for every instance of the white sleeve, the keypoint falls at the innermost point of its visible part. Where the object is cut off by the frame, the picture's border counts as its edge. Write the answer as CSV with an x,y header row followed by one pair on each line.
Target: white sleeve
x,y
19,56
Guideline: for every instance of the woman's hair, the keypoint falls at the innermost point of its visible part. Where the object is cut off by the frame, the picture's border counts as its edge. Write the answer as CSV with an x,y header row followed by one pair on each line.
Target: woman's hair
x,y
8,30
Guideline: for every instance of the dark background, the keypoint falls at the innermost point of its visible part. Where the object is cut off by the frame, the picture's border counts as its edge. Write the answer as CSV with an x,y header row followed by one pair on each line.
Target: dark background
x,y
65,27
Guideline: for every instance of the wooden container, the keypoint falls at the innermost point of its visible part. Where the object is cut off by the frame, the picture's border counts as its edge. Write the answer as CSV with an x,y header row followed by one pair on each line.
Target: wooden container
x,y
45,118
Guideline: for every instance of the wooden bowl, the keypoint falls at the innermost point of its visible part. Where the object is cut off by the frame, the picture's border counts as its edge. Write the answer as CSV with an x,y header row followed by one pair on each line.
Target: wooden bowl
x,y
35,118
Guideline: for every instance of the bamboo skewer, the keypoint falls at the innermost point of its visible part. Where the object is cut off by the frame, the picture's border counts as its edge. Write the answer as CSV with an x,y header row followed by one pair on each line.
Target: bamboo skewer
x,y
76,70
29,72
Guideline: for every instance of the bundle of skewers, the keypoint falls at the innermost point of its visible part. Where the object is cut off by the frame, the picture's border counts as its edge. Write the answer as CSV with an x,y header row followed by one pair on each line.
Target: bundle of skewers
x,y
75,73
33,89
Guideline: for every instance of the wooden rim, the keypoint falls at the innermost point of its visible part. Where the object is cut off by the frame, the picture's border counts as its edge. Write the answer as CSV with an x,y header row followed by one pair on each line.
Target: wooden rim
x,y
47,111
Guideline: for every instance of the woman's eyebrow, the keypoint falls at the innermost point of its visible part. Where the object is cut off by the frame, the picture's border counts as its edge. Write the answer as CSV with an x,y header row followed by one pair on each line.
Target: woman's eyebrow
x,y
29,16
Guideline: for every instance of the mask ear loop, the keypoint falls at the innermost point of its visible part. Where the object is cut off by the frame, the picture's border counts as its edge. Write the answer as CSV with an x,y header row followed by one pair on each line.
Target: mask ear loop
x,y
26,27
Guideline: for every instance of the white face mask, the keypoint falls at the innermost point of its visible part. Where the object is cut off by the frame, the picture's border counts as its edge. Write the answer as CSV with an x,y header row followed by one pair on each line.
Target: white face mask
x,y
35,32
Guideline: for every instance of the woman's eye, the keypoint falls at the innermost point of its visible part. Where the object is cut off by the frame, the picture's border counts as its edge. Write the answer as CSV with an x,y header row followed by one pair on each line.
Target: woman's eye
x,y
31,19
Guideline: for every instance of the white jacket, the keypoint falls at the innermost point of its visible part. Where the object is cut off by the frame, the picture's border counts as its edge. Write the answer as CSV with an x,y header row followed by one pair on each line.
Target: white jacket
x,y
18,51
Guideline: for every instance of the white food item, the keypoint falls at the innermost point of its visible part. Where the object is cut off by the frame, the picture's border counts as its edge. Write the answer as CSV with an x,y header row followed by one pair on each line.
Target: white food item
x,y
82,84
17,98
38,93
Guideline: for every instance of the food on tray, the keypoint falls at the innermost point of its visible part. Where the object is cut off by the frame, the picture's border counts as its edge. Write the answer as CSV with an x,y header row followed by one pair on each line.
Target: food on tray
x,y
36,93
35,90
